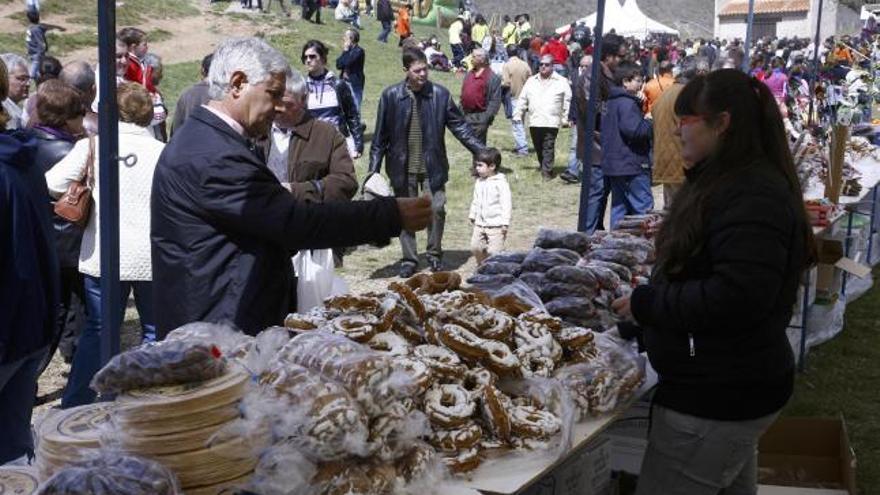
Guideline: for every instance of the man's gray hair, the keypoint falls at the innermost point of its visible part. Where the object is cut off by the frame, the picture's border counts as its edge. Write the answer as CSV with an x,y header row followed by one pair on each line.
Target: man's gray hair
x,y
296,83
254,57
13,60
153,60
79,74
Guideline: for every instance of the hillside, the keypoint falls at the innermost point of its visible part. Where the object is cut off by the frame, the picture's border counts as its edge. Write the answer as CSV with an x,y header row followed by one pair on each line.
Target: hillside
x,y
690,17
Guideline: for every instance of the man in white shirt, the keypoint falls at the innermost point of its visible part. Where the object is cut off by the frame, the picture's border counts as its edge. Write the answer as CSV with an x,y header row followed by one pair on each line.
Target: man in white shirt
x,y
546,97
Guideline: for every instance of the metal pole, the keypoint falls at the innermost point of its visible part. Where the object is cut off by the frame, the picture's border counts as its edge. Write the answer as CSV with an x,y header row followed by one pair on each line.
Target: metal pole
x,y
814,77
590,126
748,46
108,145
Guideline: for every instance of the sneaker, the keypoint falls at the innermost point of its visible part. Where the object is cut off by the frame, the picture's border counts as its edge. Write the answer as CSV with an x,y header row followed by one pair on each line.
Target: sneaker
x,y
435,265
569,178
522,152
407,270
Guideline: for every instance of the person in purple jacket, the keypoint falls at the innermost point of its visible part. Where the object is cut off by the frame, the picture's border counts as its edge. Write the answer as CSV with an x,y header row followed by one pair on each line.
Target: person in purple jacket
x,y
626,145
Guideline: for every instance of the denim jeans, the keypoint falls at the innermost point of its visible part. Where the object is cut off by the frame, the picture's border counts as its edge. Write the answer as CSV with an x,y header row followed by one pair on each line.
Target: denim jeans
x,y
508,103
386,30
598,200
689,455
574,165
18,387
87,359
630,195
519,137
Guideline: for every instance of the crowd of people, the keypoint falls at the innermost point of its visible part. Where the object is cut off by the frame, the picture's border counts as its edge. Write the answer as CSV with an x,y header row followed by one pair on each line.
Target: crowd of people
x,y
258,163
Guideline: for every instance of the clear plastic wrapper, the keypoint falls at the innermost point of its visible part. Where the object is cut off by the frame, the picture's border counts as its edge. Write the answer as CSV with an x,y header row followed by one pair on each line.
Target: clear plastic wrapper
x,y
231,342
501,294
507,257
624,272
540,260
366,374
608,279
166,363
552,289
620,256
499,268
575,241
551,397
263,348
479,279
572,275
533,280
112,473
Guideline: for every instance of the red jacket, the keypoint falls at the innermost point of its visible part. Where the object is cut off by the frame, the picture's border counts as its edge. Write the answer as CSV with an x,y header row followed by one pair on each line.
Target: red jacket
x,y
135,72
555,48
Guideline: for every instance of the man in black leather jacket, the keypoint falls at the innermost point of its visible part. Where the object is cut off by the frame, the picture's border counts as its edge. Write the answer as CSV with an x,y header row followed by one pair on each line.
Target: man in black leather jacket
x,y
415,157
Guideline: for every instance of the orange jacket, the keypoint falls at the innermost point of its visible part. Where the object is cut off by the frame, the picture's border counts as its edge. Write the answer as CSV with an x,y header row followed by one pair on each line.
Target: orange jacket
x,y
403,28
655,88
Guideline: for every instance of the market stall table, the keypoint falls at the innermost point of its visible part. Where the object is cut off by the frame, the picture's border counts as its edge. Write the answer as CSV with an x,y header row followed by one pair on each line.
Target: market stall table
x,y
515,473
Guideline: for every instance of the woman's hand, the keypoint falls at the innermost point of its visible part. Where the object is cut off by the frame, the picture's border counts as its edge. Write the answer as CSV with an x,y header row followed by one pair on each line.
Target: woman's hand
x,y
621,307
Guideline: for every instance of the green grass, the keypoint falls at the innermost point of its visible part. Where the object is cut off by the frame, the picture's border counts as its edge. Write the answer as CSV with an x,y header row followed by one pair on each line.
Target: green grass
x,y
128,12
64,42
843,378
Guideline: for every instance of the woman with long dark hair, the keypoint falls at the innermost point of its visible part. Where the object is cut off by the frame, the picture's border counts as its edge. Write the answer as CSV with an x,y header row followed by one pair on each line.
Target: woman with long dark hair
x,y
730,256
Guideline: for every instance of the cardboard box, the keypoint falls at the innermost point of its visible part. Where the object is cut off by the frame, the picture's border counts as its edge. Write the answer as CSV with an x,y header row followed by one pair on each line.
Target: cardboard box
x,y
797,312
586,472
807,453
829,271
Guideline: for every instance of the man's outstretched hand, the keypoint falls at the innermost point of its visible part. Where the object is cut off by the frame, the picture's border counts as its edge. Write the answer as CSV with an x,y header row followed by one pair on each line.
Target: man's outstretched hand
x,y
415,213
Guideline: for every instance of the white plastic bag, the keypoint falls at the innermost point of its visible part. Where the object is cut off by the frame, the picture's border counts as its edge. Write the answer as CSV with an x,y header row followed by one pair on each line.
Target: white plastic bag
x,y
315,279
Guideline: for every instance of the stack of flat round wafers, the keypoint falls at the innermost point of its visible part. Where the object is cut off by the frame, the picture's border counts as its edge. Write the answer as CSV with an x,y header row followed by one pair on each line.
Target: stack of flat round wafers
x,y
69,435
177,425
18,480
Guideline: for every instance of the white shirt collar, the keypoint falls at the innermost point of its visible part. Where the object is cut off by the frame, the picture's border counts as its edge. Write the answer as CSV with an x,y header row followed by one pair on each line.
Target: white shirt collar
x,y
226,118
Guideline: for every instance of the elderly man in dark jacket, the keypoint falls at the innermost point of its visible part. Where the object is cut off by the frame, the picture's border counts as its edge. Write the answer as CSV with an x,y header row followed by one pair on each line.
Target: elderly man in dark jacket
x,y
223,227
29,285
410,137
480,95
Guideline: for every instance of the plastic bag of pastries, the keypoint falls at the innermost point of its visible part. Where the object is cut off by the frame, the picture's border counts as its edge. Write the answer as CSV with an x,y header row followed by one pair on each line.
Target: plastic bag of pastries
x,y
541,260
112,473
165,363
575,241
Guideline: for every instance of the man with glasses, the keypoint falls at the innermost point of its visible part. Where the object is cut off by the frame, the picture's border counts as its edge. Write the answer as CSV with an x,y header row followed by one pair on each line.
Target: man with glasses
x,y
410,136
546,97
19,87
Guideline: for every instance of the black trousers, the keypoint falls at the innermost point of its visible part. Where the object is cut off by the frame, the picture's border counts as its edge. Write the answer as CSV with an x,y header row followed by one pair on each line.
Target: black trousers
x,y
480,128
71,311
544,140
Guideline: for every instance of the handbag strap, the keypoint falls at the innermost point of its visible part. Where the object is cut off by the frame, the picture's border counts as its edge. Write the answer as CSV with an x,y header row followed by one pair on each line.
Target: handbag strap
x,y
89,176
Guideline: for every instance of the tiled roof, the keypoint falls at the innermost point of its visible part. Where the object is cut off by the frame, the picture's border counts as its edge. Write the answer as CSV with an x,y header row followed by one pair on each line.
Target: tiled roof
x,y
741,7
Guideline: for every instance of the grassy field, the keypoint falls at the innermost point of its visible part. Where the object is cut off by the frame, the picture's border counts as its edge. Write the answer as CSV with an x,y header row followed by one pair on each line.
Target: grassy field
x,y
842,376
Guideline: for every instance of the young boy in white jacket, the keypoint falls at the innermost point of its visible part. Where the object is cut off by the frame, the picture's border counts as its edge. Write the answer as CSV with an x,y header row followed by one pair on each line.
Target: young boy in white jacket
x,y
491,208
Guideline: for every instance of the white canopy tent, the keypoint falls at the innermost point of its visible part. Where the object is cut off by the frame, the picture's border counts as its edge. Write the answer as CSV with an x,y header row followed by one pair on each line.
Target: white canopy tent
x,y
627,20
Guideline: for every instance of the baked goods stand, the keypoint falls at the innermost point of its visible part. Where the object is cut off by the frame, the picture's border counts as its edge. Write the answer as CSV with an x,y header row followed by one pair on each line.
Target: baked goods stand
x,y
815,323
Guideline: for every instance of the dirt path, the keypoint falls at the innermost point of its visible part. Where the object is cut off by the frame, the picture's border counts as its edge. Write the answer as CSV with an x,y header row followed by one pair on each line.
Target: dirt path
x,y
191,37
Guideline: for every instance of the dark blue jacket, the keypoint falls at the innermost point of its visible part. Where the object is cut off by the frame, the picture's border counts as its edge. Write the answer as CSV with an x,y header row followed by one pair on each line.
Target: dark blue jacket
x,y
626,135
223,230
29,274
351,66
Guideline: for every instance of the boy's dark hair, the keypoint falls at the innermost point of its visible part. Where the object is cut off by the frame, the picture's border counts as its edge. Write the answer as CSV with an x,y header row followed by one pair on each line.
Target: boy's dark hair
x,y
626,71
50,68
489,156
33,16
512,51
318,46
131,35
413,55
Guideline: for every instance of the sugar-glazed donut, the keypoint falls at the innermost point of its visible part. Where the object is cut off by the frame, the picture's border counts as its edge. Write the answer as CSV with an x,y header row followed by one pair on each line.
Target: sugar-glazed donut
x,y
409,300
501,359
536,339
476,380
455,439
391,343
348,303
537,316
531,422
448,405
534,363
495,406
574,337
443,362
421,374
464,461
464,342
304,322
486,322
359,327
416,462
